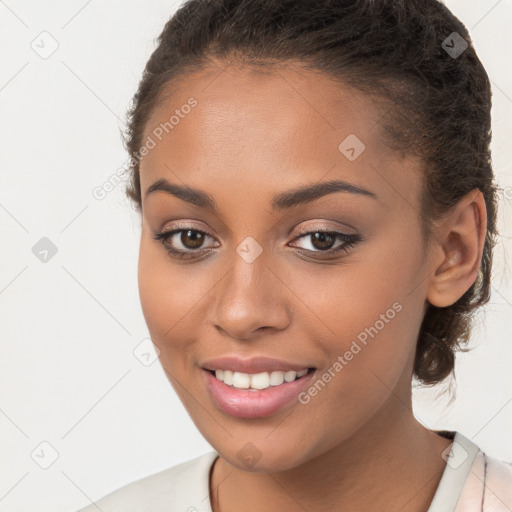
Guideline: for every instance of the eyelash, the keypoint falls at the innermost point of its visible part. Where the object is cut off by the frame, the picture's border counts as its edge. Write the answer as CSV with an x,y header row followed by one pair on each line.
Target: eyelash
x,y
163,236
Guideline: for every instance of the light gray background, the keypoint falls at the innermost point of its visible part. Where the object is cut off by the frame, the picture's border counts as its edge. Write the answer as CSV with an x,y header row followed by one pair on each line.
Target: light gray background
x,y
68,374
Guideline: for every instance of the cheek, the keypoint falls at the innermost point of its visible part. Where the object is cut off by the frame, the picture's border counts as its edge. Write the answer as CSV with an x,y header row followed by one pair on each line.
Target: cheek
x,y
368,314
368,364
156,298
169,295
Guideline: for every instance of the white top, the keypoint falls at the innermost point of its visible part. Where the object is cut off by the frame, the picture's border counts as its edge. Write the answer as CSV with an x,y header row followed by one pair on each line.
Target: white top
x,y
471,482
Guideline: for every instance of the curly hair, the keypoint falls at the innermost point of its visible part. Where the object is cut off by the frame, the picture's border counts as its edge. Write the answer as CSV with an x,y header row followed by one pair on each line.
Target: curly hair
x,y
437,105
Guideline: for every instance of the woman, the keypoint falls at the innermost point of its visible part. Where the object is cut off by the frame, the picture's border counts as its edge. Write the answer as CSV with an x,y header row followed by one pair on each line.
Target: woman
x,y
318,215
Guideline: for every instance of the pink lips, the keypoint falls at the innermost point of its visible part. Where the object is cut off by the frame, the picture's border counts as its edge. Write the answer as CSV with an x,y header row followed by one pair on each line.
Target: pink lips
x,y
244,403
254,365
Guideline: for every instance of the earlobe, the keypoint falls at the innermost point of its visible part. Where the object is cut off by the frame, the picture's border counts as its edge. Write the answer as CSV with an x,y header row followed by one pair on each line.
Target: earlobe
x,y
460,242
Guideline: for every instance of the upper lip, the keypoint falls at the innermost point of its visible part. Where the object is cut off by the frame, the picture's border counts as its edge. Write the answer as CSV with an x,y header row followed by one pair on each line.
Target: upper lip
x,y
253,365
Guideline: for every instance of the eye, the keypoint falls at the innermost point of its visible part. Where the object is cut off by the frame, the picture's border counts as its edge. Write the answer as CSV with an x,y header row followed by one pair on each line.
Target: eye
x,y
323,242
190,239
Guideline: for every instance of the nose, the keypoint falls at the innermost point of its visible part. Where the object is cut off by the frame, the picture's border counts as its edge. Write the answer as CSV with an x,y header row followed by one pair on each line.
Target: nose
x,y
251,299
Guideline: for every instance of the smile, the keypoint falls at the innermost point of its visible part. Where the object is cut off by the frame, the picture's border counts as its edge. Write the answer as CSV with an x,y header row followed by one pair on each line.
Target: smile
x,y
257,381
277,390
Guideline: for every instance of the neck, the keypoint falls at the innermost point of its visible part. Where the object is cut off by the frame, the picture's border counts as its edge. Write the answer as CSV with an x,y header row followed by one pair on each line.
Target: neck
x,y
392,463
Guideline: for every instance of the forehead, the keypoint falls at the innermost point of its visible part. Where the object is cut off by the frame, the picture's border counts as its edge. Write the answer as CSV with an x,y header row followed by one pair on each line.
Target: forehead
x,y
269,129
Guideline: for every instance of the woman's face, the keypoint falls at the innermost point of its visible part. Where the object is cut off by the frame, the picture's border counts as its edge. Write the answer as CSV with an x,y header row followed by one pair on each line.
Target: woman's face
x,y
256,280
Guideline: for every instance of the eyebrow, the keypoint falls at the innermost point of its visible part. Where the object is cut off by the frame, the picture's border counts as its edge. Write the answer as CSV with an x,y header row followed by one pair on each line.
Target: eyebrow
x,y
281,201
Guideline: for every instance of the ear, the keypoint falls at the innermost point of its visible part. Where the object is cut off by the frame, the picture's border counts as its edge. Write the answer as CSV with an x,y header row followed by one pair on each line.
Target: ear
x,y
459,240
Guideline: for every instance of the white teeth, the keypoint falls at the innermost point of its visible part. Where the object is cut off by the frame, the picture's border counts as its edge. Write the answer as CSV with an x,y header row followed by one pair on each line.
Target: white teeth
x,y
290,376
241,380
261,380
276,378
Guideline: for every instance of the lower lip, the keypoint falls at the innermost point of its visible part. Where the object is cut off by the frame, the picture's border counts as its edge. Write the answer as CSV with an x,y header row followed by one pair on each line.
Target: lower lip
x,y
243,403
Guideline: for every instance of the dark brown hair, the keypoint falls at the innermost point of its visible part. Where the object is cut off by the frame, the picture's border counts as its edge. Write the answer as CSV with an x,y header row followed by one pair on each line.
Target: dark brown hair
x,y
399,51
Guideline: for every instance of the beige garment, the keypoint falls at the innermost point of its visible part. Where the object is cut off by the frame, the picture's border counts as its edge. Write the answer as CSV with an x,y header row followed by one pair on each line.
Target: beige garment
x,y
471,482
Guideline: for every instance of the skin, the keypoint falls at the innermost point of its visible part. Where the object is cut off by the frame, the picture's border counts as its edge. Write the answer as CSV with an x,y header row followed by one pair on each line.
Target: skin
x,y
356,445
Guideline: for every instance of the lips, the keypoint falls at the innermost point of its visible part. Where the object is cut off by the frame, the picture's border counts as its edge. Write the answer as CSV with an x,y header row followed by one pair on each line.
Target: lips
x,y
255,403
257,364
252,403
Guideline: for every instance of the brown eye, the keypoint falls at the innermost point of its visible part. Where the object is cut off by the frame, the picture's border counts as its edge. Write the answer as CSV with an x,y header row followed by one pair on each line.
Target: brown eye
x,y
322,241
192,239
184,243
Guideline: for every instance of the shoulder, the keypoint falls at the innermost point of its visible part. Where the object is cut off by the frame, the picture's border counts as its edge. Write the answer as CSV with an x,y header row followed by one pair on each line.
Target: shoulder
x,y
182,487
490,480
472,480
